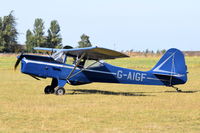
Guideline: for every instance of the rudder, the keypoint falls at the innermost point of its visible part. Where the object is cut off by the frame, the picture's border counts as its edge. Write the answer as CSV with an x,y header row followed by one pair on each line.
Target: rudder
x,y
172,63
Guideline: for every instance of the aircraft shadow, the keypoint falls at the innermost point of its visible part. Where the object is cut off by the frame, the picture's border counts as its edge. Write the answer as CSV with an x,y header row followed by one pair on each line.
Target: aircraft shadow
x,y
173,91
192,91
102,92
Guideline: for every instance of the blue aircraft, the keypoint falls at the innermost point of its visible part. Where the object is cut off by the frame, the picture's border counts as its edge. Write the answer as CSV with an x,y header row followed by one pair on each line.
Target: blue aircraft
x,y
84,65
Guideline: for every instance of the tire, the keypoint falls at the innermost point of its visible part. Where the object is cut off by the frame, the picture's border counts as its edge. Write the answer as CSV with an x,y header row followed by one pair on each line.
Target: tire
x,y
48,90
59,91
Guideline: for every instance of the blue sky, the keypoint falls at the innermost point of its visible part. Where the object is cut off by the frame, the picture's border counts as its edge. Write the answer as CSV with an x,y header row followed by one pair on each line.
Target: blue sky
x,y
115,24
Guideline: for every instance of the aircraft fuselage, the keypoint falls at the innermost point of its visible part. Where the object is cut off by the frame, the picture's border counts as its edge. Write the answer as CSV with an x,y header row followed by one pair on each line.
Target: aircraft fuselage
x,y
46,67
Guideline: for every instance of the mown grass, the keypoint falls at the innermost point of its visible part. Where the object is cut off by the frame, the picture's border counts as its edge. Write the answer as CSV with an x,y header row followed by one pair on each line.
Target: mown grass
x,y
98,107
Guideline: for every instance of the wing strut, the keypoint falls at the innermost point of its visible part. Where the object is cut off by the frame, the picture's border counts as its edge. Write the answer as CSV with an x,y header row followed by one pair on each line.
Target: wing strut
x,y
83,69
77,63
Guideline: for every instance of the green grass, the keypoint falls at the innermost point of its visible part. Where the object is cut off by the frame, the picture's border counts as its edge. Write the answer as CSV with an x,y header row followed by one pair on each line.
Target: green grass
x,y
98,107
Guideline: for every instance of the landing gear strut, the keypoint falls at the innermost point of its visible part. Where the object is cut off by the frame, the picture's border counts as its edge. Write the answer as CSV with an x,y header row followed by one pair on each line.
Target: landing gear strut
x,y
177,89
50,88
56,87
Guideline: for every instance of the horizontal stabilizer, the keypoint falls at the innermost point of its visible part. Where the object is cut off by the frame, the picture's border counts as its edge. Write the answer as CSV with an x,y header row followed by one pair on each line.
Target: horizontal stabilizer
x,y
168,74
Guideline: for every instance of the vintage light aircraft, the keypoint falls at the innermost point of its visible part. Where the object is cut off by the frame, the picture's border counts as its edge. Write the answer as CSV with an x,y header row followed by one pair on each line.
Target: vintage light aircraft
x,y
87,67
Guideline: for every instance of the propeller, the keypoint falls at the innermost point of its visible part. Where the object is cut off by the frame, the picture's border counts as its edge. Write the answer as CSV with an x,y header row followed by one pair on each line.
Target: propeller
x,y
19,58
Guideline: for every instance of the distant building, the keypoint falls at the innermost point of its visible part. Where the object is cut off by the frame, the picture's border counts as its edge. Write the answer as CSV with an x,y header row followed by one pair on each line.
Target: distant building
x,y
191,53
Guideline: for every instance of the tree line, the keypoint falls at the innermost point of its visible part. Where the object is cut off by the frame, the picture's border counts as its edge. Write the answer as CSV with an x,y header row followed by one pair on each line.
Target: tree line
x,y
8,33
35,37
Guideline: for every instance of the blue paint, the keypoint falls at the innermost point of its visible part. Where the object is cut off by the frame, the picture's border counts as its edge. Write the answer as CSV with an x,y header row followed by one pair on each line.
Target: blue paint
x,y
170,70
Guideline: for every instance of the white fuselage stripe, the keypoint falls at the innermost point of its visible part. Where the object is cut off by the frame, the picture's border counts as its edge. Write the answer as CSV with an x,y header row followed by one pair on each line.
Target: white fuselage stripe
x,y
62,65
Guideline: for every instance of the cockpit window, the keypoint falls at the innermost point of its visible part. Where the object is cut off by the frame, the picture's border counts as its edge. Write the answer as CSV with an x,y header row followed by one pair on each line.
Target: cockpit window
x,y
60,57
71,60
93,63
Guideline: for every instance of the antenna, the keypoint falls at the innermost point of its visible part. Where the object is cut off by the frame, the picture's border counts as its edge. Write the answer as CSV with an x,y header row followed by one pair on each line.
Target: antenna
x,y
114,45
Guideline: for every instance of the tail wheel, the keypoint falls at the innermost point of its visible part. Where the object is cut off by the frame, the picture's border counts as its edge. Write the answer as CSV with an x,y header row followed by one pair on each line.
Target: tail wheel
x,y
59,91
48,89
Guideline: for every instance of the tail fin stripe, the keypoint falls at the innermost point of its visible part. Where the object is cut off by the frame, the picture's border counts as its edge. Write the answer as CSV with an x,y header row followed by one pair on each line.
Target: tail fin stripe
x,y
157,69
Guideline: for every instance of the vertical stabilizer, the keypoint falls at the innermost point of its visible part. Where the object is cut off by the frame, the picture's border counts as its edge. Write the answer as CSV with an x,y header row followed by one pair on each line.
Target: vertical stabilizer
x,y
172,64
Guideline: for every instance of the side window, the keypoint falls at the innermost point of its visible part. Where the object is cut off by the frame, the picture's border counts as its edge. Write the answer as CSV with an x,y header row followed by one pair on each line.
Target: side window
x,y
92,63
70,60
84,63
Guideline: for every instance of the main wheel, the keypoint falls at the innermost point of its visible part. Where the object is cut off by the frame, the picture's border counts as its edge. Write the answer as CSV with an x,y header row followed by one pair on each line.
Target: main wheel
x,y
59,91
48,90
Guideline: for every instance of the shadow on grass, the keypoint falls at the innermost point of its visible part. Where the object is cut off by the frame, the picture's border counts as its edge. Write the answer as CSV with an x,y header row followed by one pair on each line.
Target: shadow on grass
x,y
87,91
192,91
173,91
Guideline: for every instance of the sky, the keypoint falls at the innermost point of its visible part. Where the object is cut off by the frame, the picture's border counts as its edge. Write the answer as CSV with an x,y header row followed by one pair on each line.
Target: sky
x,y
114,24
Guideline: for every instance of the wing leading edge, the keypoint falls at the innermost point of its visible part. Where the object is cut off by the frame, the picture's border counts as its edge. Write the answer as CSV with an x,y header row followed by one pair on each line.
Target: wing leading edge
x,y
91,53
46,50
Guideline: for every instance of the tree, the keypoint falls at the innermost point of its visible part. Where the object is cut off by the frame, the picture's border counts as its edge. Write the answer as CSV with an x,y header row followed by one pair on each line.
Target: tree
x,y
37,38
85,42
8,33
1,36
29,41
163,51
158,52
38,31
54,39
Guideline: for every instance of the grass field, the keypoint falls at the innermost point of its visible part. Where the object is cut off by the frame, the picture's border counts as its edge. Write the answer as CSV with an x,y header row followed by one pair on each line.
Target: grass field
x,y
98,107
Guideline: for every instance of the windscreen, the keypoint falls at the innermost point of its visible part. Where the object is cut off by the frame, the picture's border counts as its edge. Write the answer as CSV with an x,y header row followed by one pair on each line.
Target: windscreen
x,y
59,56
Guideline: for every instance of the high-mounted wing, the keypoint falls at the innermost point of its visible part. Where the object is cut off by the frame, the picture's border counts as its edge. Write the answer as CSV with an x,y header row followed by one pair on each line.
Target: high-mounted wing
x,y
91,53
46,50
94,53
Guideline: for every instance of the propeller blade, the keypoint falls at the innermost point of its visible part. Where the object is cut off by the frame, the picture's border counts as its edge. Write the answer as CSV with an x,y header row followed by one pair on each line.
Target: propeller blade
x,y
18,60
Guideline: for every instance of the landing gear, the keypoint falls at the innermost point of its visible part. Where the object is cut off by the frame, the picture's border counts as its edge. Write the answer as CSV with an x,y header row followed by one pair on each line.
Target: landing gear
x,y
176,88
56,87
49,90
59,91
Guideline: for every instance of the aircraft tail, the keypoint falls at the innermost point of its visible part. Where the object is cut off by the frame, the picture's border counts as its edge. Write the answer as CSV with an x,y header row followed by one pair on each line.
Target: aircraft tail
x,y
172,66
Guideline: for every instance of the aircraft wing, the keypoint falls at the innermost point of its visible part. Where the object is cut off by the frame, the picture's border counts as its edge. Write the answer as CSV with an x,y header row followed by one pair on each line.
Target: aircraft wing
x,y
46,50
93,53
